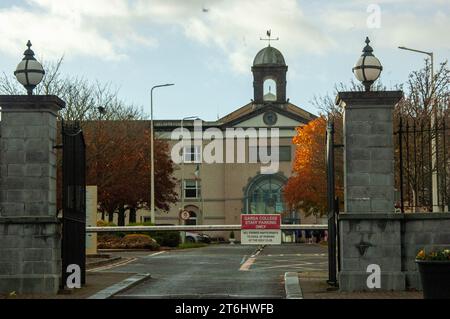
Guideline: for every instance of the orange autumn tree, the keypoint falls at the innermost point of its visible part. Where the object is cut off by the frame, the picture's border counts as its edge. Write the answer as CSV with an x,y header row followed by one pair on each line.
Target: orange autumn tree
x,y
306,189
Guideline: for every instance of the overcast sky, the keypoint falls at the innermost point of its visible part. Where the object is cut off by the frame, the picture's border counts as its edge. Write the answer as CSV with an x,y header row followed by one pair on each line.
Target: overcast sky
x,y
206,47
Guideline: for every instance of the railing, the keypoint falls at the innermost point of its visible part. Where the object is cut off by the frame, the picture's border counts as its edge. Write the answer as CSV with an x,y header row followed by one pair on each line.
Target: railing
x,y
422,170
195,228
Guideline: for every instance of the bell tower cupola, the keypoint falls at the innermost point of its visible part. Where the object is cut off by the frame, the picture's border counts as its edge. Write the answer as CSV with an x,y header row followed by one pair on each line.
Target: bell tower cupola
x,y
269,76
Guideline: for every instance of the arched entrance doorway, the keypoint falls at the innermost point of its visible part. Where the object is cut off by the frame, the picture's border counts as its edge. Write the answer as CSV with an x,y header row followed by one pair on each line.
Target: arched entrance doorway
x,y
194,215
264,195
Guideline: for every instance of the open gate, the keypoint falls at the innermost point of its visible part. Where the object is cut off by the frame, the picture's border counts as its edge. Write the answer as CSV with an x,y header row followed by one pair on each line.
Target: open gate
x,y
73,200
333,209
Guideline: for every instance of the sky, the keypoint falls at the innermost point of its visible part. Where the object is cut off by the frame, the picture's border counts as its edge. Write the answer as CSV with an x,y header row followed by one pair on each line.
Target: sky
x,y
206,47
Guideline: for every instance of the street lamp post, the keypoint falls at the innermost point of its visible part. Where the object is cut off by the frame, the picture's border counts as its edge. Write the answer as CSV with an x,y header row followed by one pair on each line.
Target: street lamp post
x,y
152,156
434,174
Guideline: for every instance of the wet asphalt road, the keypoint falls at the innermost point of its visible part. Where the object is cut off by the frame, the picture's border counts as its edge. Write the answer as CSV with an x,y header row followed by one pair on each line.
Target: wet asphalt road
x,y
222,271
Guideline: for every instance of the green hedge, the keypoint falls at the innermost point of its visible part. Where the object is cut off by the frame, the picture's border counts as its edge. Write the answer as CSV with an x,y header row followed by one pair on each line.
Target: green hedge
x,y
163,238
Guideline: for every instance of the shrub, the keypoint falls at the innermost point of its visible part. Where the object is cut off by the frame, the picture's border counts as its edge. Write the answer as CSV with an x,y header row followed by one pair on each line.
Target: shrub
x,y
104,223
166,238
139,241
443,254
131,241
163,238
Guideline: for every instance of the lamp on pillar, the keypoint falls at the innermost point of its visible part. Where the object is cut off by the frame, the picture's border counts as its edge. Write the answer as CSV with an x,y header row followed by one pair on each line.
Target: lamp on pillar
x,y
368,68
29,71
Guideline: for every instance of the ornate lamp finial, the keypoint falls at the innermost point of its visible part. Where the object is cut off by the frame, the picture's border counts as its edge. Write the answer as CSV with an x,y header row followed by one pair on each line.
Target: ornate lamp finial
x,y
368,68
29,71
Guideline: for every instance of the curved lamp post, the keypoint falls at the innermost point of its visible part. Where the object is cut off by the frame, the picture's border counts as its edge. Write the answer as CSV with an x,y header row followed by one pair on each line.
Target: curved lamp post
x,y
29,71
152,156
368,68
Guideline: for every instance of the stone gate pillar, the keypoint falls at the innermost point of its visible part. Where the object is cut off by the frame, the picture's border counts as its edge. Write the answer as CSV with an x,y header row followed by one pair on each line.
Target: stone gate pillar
x,y
370,231
30,239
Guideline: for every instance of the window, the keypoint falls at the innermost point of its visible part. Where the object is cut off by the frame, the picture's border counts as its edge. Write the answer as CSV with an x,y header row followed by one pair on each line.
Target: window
x,y
192,219
284,153
191,189
266,196
270,90
192,154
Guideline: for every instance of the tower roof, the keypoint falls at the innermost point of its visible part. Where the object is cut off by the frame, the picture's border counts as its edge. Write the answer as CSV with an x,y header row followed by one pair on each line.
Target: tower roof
x,y
269,55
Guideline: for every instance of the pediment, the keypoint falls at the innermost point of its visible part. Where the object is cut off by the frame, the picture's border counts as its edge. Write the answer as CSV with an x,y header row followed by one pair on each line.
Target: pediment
x,y
258,120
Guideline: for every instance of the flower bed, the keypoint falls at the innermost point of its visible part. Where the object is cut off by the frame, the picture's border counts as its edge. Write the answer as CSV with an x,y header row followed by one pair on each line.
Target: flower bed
x,y
434,269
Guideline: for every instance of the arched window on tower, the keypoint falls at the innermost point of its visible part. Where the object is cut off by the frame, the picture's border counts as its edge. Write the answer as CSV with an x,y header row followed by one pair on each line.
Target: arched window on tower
x,y
270,90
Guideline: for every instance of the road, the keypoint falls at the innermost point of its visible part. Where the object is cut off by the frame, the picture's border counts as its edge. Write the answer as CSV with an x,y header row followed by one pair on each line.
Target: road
x,y
222,271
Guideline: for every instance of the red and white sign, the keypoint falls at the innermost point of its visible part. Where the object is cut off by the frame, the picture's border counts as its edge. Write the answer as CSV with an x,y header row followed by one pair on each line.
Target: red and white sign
x,y
185,215
261,221
261,229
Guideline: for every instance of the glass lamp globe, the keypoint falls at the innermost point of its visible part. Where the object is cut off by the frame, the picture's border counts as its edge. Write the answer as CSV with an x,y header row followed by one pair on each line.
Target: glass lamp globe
x,y
29,71
368,68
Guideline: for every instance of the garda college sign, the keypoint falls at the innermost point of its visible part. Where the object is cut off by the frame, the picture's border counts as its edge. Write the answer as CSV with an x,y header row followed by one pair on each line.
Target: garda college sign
x,y
261,229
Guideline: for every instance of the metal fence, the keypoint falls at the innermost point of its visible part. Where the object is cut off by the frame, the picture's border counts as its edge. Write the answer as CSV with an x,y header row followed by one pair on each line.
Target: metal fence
x,y
422,151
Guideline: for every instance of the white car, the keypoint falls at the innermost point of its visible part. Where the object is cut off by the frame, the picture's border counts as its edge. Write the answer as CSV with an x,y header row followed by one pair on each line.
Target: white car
x,y
197,238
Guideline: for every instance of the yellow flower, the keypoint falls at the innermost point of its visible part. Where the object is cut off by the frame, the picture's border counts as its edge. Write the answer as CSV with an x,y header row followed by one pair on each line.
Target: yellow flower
x,y
421,254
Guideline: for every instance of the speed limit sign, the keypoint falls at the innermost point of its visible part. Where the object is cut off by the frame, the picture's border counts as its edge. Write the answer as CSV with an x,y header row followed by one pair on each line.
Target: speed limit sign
x,y
185,215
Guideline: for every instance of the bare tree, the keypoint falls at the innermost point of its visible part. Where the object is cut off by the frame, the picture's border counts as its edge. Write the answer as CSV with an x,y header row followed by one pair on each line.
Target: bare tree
x,y
425,119
326,103
85,100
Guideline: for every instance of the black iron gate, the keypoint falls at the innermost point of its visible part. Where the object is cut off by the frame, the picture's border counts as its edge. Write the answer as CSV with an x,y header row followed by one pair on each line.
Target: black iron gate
x,y
73,200
333,209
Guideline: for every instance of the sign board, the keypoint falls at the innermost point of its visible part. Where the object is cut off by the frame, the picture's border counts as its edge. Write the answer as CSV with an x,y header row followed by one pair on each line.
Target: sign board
x,y
261,229
185,215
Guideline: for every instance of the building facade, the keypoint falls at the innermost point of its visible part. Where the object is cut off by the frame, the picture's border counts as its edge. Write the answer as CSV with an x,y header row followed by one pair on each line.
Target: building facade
x,y
219,192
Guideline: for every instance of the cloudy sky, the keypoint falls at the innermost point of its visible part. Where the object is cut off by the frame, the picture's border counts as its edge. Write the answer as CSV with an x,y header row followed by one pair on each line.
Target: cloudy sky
x,y
206,47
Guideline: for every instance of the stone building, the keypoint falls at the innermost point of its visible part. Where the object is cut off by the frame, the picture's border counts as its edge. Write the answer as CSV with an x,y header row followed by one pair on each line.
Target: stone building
x,y
218,193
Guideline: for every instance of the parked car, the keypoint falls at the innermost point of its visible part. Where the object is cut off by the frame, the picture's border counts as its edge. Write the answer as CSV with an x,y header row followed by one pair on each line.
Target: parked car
x,y
197,238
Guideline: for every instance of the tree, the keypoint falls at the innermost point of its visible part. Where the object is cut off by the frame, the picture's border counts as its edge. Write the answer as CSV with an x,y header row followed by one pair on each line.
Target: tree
x,y
424,114
326,103
307,188
85,100
118,162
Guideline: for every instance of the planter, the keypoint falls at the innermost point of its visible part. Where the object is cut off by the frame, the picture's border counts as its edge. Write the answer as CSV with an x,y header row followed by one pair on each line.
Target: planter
x,y
435,277
232,240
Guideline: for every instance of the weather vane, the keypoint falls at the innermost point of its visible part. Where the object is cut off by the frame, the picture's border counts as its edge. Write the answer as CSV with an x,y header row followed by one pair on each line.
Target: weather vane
x,y
269,32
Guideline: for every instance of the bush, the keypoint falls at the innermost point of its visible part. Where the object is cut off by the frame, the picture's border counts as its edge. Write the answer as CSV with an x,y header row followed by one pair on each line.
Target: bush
x,y
443,254
163,238
104,223
166,238
131,241
139,241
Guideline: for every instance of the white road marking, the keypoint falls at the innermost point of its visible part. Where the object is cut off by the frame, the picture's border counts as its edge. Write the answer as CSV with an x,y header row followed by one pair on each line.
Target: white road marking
x,y
297,266
248,263
158,253
113,265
